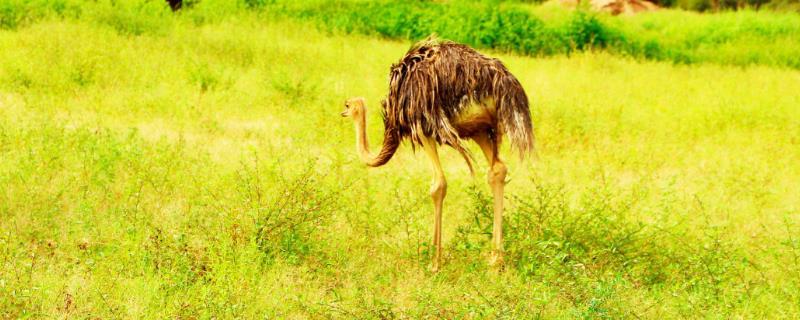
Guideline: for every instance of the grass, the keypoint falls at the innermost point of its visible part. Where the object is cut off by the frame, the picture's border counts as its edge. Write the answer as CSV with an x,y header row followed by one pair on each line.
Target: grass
x,y
738,38
732,38
200,169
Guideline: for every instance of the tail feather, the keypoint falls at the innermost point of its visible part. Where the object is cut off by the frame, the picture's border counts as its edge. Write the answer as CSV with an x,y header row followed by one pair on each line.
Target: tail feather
x,y
468,158
514,115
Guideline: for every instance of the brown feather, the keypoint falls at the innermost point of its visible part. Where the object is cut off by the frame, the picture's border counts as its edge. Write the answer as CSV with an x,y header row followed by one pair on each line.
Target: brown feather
x,y
434,84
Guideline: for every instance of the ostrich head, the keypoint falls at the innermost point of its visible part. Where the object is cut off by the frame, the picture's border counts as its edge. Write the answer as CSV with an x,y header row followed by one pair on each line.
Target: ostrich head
x,y
354,107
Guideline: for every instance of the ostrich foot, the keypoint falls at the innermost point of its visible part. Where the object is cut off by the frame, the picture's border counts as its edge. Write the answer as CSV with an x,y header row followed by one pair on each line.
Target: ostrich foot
x,y
434,267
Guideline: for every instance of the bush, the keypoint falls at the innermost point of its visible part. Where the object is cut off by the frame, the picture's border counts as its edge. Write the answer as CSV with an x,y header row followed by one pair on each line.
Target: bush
x,y
736,38
286,226
548,237
672,36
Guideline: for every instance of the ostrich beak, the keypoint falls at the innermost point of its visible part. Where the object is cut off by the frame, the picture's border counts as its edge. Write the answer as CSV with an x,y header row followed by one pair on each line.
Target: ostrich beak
x,y
344,113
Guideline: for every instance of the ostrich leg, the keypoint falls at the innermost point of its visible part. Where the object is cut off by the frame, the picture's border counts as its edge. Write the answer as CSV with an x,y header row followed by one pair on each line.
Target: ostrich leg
x,y
438,192
497,181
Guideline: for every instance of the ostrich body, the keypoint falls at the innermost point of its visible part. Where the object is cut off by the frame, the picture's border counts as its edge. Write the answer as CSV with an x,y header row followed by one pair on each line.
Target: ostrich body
x,y
445,93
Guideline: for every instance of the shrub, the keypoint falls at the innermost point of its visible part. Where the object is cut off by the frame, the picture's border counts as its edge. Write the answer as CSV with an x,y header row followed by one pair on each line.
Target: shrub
x,y
286,223
549,236
513,27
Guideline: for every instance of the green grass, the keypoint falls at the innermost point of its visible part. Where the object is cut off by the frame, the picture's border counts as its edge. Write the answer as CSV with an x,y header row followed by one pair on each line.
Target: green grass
x,y
736,38
200,168
739,38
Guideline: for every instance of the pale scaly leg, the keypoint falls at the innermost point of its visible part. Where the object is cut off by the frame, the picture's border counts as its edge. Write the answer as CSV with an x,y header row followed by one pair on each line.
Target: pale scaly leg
x,y
438,192
497,181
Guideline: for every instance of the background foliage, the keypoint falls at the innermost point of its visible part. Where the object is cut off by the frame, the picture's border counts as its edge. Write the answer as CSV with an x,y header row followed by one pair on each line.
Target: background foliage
x,y
738,38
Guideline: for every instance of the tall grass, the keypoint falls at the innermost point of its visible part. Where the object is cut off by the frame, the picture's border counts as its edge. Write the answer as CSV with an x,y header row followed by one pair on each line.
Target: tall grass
x,y
736,38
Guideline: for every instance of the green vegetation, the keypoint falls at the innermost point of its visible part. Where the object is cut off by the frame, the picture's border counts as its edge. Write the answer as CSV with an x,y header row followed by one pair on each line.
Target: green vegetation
x,y
195,165
738,38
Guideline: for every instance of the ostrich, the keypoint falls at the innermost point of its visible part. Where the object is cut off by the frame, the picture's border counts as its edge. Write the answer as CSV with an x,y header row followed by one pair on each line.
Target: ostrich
x,y
442,92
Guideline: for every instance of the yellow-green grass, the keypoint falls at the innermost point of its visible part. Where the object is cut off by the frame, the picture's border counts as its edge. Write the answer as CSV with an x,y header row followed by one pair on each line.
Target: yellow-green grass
x,y
732,38
205,171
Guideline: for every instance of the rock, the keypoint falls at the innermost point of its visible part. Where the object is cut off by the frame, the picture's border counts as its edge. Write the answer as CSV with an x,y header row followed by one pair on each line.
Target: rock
x,y
616,7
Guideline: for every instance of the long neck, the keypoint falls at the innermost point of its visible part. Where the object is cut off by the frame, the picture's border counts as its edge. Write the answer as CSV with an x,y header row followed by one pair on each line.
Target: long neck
x,y
391,140
362,143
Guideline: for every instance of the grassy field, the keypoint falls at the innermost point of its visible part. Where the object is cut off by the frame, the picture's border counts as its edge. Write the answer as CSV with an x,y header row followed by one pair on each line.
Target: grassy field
x,y
200,169
732,38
